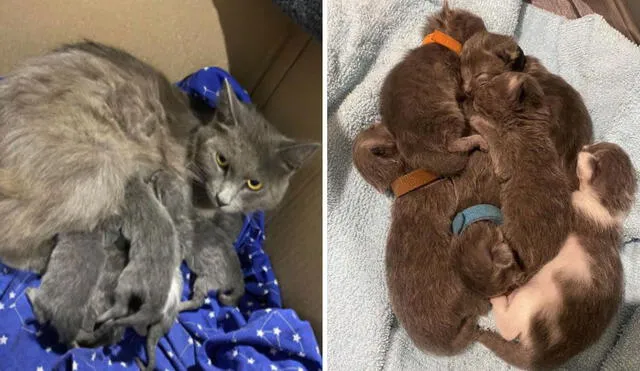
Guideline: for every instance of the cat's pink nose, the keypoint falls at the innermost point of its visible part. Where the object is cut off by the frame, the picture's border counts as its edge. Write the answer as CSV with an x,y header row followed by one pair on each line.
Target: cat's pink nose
x,y
467,89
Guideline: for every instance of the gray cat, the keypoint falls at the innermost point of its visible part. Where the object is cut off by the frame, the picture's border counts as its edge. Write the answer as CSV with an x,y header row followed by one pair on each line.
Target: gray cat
x,y
76,126
79,124
64,295
252,166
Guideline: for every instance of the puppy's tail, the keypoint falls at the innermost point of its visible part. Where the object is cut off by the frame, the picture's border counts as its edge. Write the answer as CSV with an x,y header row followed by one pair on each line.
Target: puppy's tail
x,y
510,352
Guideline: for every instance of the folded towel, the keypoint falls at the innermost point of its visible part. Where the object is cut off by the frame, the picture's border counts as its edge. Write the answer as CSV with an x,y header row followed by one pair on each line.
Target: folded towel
x,y
367,38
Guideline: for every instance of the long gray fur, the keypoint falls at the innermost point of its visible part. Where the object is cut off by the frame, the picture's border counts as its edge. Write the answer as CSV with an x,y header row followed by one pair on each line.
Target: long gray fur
x,y
81,128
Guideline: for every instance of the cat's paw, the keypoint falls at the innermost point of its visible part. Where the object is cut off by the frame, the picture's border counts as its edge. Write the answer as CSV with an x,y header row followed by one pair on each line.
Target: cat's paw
x,y
232,296
39,310
482,126
467,144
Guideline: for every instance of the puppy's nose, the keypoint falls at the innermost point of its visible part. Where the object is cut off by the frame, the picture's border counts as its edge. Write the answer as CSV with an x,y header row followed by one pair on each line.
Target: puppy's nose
x,y
219,201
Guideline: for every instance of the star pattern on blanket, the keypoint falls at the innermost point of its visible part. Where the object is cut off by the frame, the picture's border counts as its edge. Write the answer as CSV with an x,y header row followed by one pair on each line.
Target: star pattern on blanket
x,y
278,330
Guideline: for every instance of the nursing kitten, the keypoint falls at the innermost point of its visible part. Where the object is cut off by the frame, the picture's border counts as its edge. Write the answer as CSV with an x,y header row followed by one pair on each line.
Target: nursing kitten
x,y
436,309
419,98
486,55
214,261
103,297
568,305
63,298
513,118
148,279
176,198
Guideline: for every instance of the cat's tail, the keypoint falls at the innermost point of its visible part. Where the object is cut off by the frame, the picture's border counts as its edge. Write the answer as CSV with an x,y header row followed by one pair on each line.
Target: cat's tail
x,y
155,333
513,353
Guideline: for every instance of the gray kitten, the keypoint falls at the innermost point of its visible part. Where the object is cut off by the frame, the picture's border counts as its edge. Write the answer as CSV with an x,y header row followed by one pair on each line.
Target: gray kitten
x,y
154,256
103,297
176,198
63,298
214,261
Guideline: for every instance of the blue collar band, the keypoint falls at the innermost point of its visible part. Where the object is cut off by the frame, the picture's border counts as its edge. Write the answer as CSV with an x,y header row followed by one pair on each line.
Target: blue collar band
x,y
474,214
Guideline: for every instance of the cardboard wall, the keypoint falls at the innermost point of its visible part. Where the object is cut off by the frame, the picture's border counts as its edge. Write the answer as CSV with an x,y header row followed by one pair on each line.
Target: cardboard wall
x,y
275,60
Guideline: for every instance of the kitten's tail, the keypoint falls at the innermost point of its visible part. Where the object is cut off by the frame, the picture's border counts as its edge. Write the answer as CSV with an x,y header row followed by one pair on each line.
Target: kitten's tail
x,y
155,333
513,353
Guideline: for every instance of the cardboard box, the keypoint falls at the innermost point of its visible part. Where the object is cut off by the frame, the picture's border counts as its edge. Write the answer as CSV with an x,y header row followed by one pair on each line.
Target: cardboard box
x,y
273,58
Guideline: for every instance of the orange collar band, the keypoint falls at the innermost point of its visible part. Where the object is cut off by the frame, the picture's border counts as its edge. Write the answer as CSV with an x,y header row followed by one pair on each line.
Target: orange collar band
x,y
411,181
443,39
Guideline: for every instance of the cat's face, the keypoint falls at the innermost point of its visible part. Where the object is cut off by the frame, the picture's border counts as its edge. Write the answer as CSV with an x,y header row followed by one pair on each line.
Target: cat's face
x,y
508,95
486,55
606,169
242,162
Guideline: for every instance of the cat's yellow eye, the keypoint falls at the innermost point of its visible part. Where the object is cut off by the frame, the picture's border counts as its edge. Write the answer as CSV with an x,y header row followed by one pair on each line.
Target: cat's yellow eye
x,y
254,185
221,160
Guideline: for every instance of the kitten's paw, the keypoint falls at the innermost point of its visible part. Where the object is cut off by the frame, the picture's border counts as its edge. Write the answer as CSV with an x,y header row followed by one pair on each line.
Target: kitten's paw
x,y
481,125
231,297
189,305
467,144
502,256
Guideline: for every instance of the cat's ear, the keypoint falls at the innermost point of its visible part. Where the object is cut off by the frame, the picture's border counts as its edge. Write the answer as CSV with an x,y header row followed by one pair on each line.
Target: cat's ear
x,y
228,105
512,55
523,90
294,154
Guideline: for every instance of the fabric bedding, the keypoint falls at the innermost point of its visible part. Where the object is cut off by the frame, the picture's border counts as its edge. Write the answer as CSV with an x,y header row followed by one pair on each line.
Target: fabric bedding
x,y
258,334
367,38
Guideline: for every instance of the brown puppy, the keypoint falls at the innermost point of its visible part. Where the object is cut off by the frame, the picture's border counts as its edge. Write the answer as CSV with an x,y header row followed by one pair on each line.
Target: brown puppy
x,y
486,55
419,98
570,302
428,297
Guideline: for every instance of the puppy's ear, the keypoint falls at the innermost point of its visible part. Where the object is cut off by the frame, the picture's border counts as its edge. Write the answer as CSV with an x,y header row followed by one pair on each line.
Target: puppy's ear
x,y
513,56
523,90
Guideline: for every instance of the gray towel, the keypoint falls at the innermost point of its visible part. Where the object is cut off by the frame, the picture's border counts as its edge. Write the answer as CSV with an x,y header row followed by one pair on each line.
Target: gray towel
x,y
366,38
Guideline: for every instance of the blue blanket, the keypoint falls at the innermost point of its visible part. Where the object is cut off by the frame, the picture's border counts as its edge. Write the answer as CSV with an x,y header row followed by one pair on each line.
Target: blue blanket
x,y
257,335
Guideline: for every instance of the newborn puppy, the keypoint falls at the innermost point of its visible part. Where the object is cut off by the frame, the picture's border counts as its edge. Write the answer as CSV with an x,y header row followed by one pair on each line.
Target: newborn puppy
x,y
570,302
486,55
534,191
214,261
419,98
437,310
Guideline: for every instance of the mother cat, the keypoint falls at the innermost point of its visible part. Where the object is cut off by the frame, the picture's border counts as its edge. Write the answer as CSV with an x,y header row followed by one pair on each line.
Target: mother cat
x,y
77,124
